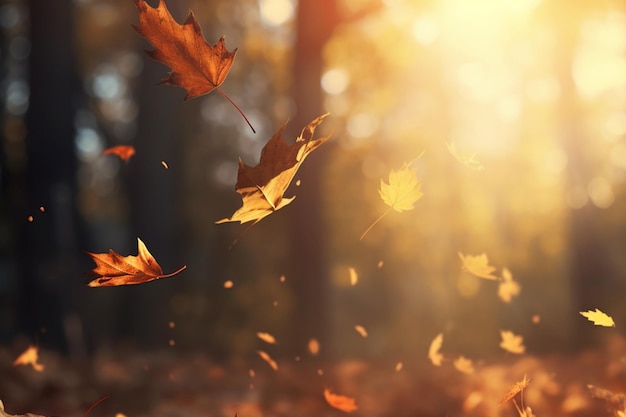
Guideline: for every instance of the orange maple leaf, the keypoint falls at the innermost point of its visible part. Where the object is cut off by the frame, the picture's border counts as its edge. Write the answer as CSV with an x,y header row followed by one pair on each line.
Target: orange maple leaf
x,y
123,151
464,365
30,357
262,187
197,66
340,402
114,269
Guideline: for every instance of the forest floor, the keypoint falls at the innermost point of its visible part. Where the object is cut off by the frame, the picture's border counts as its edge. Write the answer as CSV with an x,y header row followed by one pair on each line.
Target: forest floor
x,y
164,384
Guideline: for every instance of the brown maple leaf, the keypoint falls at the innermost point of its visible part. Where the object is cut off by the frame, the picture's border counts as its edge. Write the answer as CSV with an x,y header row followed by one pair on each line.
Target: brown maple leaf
x,y
262,187
114,269
197,66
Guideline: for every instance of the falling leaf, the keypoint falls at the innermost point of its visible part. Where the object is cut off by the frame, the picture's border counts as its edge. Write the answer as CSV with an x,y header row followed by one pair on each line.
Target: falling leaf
x,y
508,287
266,337
478,265
403,190
354,277
340,402
464,365
228,284
165,165
262,187
197,66
314,347
3,413
361,330
598,318
515,389
123,151
42,209
114,269
30,219
30,357
466,159
380,264
512,342
398,366
433,351
267,358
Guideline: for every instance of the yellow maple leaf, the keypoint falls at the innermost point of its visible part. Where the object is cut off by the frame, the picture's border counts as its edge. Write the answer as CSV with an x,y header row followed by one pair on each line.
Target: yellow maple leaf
x,y
433,351
478,265
464,365
511,342
508,287
402,192
30,357
466,159
598,318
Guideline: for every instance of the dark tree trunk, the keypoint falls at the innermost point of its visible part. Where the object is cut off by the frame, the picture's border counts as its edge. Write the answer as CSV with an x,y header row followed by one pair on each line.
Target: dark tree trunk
x,y
154,198
316,21
48,248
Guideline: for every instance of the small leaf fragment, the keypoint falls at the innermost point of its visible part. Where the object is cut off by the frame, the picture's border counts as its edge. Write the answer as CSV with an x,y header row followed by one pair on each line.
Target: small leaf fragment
x,y
598,318
124,152
361,330
30,357
433,351
268,359
464,365
354,277
266,337
340,402
508,287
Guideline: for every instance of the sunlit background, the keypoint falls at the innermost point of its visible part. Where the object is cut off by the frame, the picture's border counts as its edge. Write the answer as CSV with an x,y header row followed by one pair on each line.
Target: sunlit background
x,y
535,90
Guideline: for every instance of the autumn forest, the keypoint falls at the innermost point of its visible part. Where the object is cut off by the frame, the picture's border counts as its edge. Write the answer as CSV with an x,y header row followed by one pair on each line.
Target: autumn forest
x,y
313,208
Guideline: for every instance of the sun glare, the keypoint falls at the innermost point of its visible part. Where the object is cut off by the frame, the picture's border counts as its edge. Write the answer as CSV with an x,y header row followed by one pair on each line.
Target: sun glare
x,y
276,12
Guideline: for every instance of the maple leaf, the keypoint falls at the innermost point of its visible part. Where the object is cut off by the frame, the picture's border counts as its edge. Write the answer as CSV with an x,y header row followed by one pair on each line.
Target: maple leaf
x,y
514,390
123,151
466,159
512,342
478,265
598,318
403,190
508,287
30,357
340,402
197,66
433,351
464,365
114,269
262,187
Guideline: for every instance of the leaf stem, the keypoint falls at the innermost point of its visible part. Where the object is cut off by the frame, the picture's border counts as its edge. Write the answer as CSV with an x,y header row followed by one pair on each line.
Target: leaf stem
x,y
95,404
374,224
219,90
179,270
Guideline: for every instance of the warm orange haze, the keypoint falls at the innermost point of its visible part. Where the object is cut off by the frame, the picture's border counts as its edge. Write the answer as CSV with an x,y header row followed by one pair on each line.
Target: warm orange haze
x,y
455,248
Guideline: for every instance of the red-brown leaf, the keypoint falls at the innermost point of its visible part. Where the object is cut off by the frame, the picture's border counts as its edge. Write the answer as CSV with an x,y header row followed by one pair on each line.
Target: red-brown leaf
x,y
123,151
